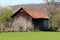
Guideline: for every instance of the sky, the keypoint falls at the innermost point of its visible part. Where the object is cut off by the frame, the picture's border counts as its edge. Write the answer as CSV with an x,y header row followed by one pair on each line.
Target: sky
x,y
15,2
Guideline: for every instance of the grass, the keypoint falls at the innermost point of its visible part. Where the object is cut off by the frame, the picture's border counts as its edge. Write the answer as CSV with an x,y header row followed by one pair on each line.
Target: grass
x,y
30,36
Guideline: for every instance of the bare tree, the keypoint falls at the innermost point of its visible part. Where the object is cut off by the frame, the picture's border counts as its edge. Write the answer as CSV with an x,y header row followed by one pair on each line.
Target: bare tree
x,y
52,7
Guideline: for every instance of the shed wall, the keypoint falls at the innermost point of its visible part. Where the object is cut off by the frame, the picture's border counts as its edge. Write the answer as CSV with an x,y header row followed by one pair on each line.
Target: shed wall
x,y
22,22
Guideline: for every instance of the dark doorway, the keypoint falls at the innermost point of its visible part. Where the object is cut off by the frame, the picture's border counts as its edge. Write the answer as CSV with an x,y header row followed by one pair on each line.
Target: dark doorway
x,y
38,24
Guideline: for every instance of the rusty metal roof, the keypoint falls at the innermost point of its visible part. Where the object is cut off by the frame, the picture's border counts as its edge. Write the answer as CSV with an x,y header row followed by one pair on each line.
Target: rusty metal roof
x,y
36,13
33,13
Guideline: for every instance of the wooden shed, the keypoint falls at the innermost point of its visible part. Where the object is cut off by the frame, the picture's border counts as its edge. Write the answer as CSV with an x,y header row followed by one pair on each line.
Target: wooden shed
x,y
25,19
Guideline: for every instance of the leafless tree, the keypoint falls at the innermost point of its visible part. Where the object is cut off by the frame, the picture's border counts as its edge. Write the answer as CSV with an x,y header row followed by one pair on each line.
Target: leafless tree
x,y
52,8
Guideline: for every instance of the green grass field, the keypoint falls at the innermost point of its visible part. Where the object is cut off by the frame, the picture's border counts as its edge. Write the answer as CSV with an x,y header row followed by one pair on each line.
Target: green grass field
x,y
30,36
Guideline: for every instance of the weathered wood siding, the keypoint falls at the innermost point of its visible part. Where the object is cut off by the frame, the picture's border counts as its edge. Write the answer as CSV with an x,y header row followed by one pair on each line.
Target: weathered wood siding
x,y
22,22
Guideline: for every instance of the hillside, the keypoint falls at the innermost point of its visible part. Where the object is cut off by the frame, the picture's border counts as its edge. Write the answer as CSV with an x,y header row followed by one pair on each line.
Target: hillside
x,y
41,7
